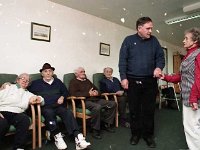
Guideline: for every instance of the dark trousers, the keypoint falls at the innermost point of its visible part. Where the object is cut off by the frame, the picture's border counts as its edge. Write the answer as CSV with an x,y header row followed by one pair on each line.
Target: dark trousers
x,y
95,106
21,122
122,101
142,98
50,113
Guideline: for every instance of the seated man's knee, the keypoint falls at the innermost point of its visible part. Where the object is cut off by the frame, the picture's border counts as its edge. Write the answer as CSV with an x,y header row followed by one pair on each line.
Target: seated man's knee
x,y
24,120
97,108
112,104
3,127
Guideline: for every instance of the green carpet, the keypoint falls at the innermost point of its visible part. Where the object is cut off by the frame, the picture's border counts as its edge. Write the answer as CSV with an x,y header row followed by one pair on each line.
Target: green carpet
x,y
169,135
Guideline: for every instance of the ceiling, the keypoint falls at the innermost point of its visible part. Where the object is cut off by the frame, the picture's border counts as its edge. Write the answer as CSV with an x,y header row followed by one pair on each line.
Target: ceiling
x,y
131,10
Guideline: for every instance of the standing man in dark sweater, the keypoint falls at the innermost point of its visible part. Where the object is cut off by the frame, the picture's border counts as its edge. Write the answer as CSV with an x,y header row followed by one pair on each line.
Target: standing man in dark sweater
x,y
141,62
54,93
81,86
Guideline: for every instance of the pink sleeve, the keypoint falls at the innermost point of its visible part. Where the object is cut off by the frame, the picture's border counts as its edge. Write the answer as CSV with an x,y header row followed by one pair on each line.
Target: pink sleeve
x,y
173,78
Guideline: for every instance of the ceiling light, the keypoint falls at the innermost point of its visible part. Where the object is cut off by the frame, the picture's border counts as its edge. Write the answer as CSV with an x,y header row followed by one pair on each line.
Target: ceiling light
x,y
192,7
122,20
183,18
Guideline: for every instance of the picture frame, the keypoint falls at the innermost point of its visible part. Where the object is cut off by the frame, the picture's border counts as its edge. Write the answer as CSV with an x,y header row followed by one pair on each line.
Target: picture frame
x,y
40,32
104,49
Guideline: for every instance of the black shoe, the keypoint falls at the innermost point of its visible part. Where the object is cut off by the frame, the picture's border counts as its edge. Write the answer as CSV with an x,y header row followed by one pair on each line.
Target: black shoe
x,y
96,134
108,128
134,140
150,142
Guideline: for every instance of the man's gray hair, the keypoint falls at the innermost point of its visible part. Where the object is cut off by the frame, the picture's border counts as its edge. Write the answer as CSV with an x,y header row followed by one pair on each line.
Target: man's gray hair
x,y
78,69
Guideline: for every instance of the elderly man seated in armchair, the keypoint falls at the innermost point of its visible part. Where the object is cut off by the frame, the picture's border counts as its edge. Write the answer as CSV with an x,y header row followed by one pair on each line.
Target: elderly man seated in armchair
x,y
14,101
110,84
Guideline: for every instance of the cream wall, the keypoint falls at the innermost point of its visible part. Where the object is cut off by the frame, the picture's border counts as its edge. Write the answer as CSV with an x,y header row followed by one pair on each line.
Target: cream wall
x,y
75,38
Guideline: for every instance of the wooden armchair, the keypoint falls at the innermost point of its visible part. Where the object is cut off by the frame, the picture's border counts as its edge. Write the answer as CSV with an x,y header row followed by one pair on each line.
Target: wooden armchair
x,y
97,77
11,78
82,112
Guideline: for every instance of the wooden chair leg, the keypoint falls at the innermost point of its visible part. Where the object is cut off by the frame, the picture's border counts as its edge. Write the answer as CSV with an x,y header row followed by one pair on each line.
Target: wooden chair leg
x,y
39,136
34,137
84,126
117,117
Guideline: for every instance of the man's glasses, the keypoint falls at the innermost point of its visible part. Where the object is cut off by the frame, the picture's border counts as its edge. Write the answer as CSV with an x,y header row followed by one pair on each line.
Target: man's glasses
x,y
24,79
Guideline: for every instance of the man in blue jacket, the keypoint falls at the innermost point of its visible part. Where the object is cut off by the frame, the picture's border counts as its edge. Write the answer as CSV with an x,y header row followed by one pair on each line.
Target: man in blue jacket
x,y
141,62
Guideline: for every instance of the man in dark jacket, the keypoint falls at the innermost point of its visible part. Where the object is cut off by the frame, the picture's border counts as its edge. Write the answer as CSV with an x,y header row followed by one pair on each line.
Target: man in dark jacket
x,y
141,62
110,84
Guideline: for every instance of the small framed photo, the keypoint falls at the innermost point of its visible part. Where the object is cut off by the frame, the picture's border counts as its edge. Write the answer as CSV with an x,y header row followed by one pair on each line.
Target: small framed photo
x,y
104,49
40,32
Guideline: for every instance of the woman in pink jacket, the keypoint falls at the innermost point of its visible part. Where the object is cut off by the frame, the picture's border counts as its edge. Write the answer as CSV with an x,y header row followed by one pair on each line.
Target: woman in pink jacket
x,y
189,78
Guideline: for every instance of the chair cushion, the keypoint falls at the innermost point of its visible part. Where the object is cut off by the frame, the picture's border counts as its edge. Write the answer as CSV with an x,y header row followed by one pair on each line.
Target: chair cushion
x,y
7,78
12,127
57,118
87,111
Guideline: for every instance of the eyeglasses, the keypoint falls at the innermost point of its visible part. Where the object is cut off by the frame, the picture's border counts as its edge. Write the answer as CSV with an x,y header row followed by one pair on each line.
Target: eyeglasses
x,y
24,79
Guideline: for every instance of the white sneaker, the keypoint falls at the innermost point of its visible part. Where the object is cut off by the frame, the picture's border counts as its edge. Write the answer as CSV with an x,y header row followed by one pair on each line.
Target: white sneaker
x,y
59,142
48,135
81,143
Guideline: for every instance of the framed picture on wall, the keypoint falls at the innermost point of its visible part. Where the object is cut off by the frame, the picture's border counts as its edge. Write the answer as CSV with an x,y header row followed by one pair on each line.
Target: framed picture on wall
x,y
104,49
40,32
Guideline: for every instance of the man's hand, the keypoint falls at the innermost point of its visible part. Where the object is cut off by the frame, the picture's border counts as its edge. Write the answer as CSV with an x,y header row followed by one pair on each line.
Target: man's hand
x,y
120,93
93,92
157,72
35,100
1,116
4,85
124,83
60,100
194,106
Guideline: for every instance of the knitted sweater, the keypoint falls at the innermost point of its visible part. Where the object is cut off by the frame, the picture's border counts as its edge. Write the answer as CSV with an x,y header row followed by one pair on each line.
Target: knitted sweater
x,y
139,57
14,99
50,92
81,88
110,86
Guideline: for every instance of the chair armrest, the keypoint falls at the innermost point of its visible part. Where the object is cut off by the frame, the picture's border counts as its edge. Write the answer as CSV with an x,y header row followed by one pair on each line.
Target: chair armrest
x,y
73,104
110,94
73,99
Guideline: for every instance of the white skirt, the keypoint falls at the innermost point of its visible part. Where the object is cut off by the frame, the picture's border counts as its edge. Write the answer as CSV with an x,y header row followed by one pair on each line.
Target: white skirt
x,y
191,123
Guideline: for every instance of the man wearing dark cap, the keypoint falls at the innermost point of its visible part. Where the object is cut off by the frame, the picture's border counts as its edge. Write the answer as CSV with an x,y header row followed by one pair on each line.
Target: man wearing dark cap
x,y
54,93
